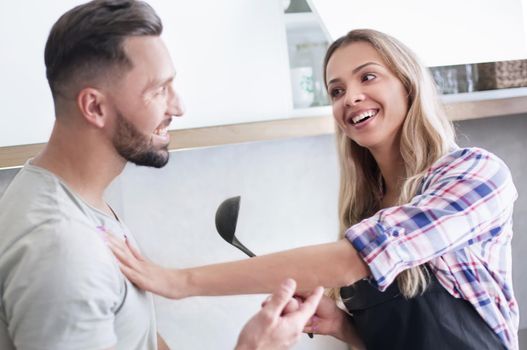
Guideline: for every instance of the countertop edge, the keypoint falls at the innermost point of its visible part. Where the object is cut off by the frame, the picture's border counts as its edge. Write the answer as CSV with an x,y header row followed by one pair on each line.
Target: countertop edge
x,y
16,156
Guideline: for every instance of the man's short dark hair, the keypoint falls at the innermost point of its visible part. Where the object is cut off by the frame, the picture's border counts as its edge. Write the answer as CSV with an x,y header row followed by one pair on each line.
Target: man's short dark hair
x,y
87,41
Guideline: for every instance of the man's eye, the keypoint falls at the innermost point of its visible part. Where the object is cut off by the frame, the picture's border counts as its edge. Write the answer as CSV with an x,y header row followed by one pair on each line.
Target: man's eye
x,y
368,76
162,90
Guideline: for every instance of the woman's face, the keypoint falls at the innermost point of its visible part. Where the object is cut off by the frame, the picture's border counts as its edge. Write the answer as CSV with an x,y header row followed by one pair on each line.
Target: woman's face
x,y
369,102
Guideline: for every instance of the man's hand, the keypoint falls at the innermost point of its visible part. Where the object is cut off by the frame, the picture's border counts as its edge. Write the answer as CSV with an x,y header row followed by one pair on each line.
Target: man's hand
x,y
279,323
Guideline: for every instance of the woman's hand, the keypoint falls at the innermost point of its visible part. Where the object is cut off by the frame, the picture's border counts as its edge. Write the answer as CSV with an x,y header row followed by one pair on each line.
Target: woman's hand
x,y
330,320
142,272
279,323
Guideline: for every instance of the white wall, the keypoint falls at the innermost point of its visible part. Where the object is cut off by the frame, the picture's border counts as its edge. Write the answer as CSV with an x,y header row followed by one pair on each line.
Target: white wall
x,y
288,191
231,58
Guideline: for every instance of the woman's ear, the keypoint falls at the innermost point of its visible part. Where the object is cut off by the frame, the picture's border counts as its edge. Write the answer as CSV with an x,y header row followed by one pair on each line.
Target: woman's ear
x,y
92,105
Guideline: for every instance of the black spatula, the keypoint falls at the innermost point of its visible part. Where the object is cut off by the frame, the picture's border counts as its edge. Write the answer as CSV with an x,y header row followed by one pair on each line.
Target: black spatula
x,y
226,220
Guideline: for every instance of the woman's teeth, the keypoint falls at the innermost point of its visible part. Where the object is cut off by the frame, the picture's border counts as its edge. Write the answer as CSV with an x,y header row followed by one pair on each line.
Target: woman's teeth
x,y
363,116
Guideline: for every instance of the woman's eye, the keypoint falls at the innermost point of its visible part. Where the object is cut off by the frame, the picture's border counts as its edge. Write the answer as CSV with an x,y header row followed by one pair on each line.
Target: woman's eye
x,y
368,76
335,92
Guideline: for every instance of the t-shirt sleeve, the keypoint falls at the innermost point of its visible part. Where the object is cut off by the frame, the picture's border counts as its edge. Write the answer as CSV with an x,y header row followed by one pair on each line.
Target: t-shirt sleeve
x,y
63,290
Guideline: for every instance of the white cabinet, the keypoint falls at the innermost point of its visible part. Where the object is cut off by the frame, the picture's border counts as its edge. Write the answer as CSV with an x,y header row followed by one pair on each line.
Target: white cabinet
x,y
307,45
26,106
445,32
234,57
231,58
450,38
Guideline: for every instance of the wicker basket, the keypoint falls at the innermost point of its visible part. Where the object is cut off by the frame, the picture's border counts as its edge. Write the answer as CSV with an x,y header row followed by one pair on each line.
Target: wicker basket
x,y
505,74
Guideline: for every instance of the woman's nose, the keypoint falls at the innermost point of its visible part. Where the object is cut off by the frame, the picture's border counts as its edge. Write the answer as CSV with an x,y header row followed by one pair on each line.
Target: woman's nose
x,y
354,97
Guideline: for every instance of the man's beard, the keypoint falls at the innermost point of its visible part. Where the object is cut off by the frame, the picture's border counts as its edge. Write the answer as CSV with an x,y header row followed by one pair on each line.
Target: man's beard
x,y
136,147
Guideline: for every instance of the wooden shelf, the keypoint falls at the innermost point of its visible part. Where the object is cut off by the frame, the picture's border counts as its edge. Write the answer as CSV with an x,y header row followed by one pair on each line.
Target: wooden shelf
x,y
302,123
16,156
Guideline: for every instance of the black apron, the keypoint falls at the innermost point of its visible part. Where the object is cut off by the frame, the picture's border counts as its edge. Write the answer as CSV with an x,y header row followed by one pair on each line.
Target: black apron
x,y
434,320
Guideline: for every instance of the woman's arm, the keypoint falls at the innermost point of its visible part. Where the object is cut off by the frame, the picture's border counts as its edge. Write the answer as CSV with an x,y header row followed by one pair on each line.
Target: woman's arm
x,y
467,198
330,320
329,265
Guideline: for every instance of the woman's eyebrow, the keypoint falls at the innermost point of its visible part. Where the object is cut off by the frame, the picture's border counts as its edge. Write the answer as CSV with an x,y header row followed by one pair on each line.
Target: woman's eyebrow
x,y
355,70
364,65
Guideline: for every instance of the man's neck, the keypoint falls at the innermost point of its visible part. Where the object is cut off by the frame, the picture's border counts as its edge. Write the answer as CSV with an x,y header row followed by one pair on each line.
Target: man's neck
x,y
86,163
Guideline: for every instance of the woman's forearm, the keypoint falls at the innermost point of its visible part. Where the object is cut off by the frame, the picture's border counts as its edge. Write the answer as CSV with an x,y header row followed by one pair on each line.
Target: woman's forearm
x,y
330,265
348,334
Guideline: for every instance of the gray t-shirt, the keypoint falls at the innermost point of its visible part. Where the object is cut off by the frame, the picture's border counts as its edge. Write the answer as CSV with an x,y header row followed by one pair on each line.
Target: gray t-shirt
x,y
60,286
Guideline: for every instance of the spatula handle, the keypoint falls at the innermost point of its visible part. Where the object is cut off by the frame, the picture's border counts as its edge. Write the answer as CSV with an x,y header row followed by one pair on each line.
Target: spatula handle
x,y
243,248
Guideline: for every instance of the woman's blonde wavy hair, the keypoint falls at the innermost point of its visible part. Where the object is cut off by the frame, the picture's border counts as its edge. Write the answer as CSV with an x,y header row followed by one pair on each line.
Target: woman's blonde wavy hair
x,y
426,136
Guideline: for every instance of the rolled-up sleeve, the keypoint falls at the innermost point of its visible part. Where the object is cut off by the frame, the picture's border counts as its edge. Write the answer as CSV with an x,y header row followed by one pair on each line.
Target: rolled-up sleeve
x,y
465,198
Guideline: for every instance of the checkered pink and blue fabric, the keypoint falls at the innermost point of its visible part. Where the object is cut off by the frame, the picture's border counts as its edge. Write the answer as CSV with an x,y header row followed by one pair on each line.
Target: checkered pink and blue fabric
x,y
460,224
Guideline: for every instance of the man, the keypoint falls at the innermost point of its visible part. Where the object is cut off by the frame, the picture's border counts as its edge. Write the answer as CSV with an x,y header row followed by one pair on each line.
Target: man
x,y
111,78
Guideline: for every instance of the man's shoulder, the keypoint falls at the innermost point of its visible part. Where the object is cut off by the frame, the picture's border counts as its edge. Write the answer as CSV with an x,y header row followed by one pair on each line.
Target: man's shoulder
x,y
38,207
64,258
61,239
61,276
51,246
32,191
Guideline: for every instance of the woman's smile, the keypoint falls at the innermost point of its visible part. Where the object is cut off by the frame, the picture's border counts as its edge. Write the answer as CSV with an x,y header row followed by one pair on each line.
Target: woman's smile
x,y
369,102
361,118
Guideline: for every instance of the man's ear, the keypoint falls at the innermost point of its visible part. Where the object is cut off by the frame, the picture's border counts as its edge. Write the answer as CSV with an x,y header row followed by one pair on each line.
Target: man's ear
x,y
92,104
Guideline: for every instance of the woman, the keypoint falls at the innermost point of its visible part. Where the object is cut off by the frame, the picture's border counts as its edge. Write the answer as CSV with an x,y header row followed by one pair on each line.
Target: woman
x,y
429,264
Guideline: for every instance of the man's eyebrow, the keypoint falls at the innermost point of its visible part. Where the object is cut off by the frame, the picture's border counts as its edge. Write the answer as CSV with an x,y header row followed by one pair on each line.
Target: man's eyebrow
x,y
160,82
355,70
165,81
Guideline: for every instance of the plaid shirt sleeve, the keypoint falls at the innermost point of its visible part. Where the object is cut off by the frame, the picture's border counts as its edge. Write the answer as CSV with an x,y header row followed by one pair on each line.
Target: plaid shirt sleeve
x,y
466,197
460,224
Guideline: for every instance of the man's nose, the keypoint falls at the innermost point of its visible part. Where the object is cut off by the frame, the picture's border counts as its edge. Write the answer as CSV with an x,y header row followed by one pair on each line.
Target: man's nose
x,y
175,105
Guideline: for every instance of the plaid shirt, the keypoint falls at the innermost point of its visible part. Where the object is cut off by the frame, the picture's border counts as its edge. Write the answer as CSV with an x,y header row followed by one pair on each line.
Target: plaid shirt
x,y
460,224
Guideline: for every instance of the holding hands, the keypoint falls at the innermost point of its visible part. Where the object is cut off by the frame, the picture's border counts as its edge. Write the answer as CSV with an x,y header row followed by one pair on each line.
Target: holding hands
x,y
279,324
330,320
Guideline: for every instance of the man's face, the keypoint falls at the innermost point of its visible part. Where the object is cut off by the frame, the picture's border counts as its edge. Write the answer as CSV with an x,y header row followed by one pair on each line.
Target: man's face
x,y
137,147
144,102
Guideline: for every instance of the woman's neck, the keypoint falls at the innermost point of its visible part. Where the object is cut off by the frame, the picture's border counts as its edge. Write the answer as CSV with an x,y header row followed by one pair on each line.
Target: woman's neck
x,y
391,166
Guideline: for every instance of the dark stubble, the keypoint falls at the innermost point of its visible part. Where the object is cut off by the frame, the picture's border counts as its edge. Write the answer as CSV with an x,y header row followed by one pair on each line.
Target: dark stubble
x,y
136,147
